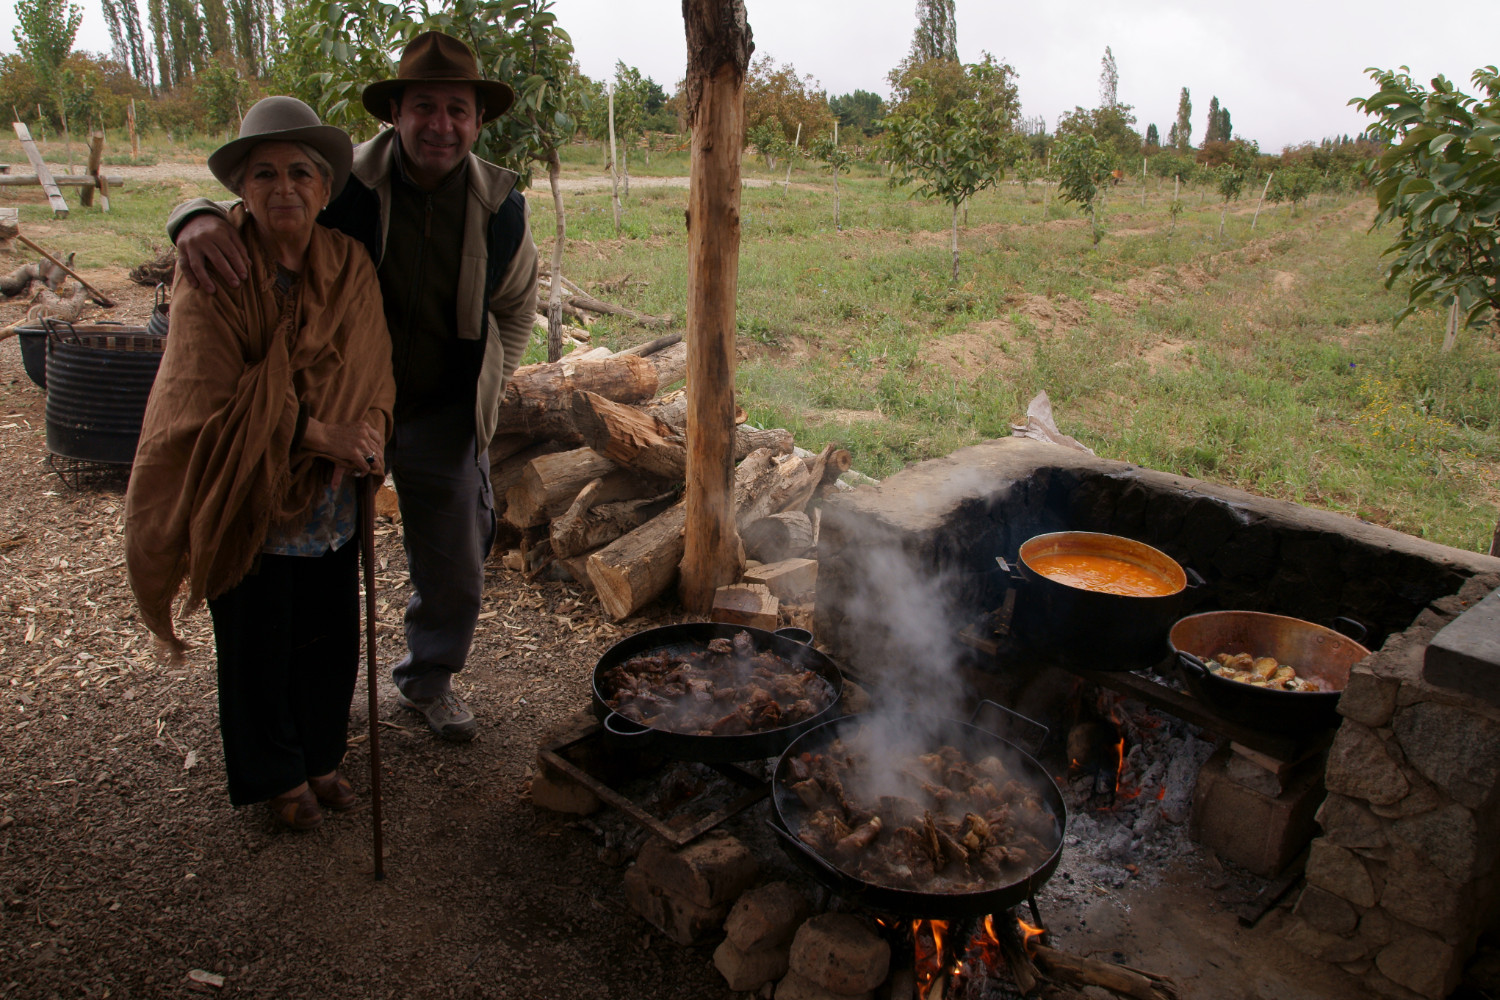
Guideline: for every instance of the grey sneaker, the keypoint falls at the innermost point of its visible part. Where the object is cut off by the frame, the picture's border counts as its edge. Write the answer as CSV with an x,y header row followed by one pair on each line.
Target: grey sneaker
x,y
446,715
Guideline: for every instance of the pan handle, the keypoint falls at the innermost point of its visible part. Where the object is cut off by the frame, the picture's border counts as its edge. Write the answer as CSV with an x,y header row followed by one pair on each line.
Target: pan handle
x,y
1351,628
617,725
1194,580
1193,667
51,323
1011,571
1013,725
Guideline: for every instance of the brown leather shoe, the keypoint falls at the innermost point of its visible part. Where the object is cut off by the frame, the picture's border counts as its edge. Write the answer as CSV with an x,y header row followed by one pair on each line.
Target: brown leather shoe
x,y
296,810
334,791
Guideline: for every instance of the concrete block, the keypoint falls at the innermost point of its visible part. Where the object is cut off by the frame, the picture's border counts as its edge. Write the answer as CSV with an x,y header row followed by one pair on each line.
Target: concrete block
x,y
710,872
680,920
1465,656
766,917
840,952
1260,832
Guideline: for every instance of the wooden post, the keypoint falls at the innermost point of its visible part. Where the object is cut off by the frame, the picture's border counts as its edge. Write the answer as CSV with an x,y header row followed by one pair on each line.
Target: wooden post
x,y
1143,182
96,155
719,47
836,226
614,164
43,175
554,296
791,157
1262,200
135,142
1450,338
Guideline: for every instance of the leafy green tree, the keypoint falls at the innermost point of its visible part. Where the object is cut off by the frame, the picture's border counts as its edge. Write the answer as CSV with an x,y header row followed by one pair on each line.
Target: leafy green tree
x,y
1231,175
1153,137
860,110
952,152
1439,181
1211,133
123,18
222,93
1083,170
1292,184
1181,133
826,150
1111,126
1109,80
936,36
769,140
779,92
44,34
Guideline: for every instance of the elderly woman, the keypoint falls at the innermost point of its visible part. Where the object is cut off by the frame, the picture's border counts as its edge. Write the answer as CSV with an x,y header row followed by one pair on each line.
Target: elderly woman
x,y
271,398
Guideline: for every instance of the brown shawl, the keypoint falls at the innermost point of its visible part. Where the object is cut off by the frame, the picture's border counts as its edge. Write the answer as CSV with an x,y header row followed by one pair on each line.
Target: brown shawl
x,y
215,468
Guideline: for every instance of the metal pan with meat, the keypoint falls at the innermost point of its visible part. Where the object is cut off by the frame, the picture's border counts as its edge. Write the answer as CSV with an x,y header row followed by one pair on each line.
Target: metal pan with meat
x,y
713,692
924,817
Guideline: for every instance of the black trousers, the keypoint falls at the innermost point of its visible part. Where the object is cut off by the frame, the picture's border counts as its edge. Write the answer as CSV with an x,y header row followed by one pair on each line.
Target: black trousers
x,y
287,638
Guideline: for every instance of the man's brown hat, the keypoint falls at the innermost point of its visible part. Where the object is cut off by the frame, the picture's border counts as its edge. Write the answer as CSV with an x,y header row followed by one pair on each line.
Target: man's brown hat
x,y
433,57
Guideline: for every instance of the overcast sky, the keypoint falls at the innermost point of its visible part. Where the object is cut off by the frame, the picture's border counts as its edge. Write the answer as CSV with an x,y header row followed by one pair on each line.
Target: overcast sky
x,y
1284,69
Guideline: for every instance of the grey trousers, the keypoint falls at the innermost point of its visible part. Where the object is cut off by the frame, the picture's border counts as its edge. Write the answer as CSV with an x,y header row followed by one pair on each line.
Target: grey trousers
x,y
447,526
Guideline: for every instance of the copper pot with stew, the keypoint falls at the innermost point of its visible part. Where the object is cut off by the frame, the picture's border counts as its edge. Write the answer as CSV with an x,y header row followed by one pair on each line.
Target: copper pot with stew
x,y
1101,602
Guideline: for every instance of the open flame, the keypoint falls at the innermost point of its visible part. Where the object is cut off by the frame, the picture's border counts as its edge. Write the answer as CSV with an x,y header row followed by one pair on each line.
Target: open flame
x,y
941,967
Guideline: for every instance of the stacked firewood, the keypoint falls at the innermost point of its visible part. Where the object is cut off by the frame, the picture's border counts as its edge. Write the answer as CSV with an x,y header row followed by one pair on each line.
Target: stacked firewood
x,y
588,465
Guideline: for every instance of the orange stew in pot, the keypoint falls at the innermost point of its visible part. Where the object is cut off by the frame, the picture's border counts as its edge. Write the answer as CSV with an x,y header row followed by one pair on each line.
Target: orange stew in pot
x,y
1103,574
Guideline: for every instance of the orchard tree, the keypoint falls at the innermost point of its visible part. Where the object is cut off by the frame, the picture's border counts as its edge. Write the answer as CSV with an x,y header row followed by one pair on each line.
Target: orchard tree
x,y
826,149
1231,175
1439,181
861,109
1111,126
1083,170
778,92
951,150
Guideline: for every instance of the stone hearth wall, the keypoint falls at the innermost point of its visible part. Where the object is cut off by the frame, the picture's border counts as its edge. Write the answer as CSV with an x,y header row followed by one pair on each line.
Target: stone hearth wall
x,y
947,519
1403,879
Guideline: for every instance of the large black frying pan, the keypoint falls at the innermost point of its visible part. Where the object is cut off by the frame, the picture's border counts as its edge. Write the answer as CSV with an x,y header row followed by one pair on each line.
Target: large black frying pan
x,y
694,637
789,814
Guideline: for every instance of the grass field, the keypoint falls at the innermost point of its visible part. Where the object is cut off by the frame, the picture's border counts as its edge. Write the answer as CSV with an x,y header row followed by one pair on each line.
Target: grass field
x,y
1263,360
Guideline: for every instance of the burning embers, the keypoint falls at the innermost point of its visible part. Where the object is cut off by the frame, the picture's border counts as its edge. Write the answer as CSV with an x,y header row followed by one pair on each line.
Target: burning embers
x,y
952,957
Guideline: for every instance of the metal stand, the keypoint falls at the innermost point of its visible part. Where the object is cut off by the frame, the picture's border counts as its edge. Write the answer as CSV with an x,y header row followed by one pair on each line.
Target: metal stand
x,y
80,476
755,790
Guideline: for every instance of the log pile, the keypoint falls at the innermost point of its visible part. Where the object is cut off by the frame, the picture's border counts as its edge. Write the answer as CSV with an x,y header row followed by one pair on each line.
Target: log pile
x,y
588,466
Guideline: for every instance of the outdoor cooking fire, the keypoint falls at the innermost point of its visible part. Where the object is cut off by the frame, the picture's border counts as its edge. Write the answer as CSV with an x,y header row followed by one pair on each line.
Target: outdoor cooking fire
x,y
942,967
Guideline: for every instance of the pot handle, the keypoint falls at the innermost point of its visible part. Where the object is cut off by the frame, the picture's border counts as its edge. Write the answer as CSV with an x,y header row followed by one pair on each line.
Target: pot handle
x,y
617,725
1194,581
1193,667
1014,726
1351,628
1012,572
51,323
161,295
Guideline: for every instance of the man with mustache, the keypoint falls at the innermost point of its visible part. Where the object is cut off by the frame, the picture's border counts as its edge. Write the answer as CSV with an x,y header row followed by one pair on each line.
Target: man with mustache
x,y
451,241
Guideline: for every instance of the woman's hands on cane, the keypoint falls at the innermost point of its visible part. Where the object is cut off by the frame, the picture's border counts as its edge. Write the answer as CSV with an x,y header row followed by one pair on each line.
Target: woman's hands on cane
x,y
356,447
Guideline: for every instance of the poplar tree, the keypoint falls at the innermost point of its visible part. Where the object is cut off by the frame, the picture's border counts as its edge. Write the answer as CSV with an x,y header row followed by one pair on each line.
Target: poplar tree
x,y
1212,133
1182,132
156,14
1109,80
1226,131
936,36
44,33
1153,137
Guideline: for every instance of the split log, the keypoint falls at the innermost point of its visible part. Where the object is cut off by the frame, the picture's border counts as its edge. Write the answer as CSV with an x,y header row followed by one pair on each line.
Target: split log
x,y
638,567
597,306
507,472
19,280
745,604
1118,979
550,483
787,578
589,524
652,346
671,409
629,436
538,398
50,305
780,536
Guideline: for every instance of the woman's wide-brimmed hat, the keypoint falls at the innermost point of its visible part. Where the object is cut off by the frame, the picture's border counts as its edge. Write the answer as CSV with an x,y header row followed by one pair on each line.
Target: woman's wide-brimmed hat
x,y
433,57
285,119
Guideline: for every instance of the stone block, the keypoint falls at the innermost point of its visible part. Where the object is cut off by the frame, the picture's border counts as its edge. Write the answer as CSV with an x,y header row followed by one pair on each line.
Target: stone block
x,y
786,578
1465,656
1347,823
1426,965
1327,912
1380,986
795,987
680,920
1420,797
551,789
1263,833
1322,945
1360,767
840,952
1418,894
1450,839
1375,927
1340,872
1368,699
709,872
1243,771
749,971
766,916
1457,750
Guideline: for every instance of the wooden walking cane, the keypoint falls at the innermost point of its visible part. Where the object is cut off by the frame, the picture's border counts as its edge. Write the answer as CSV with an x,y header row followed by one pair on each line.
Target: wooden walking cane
x,y
367,558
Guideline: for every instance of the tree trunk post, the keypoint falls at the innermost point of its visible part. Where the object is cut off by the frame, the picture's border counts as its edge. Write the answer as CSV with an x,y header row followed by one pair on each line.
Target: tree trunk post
x,y
1143,182
790,159
1176,192
554,297
1262,200
719,46
614,164
135,142
836,226
1450,337
955,242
